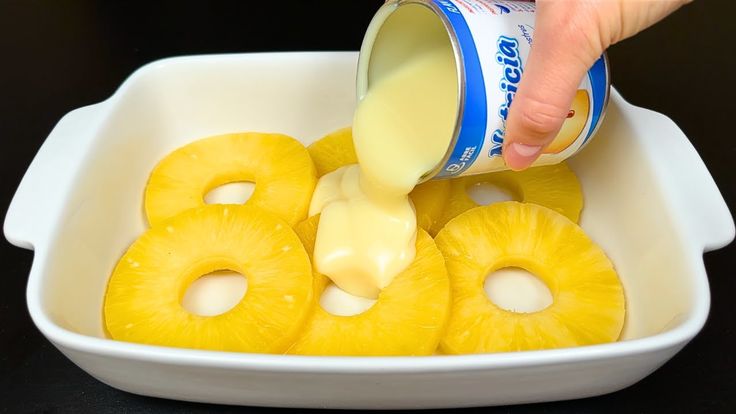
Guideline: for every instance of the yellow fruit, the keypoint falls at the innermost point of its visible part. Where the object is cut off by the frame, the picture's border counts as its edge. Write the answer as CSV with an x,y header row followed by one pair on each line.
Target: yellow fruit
x,y
553,186
588,299
143,298
407,319
336,150
430,199
333,151
307,233
279,166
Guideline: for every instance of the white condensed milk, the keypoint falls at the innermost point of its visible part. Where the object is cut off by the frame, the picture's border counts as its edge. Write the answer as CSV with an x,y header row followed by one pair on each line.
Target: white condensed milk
x,y
435,81
401,130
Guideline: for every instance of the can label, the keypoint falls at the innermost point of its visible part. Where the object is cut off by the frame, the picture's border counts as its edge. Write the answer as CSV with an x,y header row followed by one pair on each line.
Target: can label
x,y
494,38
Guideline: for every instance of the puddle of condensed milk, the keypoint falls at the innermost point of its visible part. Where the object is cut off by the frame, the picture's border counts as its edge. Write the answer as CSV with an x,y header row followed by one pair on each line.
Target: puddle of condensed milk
x,y
401,130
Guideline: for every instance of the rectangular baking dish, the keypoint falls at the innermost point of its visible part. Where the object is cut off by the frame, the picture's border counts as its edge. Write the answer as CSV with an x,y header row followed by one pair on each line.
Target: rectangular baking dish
x,y
649,202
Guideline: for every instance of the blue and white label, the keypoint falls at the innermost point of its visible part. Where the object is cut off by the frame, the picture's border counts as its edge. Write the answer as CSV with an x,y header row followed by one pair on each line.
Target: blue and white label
x,y
494,38
509,58
475,115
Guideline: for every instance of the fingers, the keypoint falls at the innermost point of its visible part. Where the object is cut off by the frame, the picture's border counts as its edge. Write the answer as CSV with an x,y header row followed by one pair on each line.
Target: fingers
x,y
569,37
565,45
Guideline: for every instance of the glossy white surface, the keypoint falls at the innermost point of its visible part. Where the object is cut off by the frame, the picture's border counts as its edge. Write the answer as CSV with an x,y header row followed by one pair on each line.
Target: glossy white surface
x,y
649,202
487,193
215,293
517,290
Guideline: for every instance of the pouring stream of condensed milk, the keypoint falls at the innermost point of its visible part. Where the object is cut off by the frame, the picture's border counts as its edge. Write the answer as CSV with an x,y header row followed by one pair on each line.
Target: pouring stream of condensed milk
x,y
401,130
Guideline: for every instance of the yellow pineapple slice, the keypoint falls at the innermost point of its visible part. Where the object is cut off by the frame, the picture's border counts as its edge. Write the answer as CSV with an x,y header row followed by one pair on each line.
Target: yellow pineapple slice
x,y
336,150
279,166
430,199
588,299
407,319
552,186
307,233
333,151
144,294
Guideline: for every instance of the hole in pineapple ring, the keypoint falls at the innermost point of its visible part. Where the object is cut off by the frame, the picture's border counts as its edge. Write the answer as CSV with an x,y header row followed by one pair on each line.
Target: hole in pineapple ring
x,y
230,193
517,290
215,293
341,303
486,193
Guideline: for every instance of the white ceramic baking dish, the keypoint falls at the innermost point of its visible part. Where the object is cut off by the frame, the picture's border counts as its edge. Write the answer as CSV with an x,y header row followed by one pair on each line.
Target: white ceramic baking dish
x,y
649,202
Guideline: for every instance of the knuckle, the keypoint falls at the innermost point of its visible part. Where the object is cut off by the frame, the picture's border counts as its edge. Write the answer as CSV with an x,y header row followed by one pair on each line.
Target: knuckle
x,y
540,119
580,24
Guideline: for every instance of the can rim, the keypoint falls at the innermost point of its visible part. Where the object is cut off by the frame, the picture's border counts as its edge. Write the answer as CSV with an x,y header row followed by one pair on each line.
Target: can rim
x,y
366,50
460,70
607,98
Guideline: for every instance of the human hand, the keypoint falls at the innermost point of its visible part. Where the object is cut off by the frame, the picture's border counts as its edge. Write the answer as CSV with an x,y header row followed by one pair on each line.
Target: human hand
x,y
569,36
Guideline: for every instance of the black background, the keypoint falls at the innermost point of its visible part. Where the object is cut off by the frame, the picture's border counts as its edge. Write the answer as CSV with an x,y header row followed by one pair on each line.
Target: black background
x,y
59,55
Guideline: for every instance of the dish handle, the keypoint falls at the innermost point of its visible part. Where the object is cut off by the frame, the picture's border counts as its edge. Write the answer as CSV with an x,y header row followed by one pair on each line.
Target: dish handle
x,y
40,195
692,189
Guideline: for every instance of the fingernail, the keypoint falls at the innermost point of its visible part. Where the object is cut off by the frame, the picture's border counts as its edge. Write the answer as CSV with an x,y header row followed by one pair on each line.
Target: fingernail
x,y
519,156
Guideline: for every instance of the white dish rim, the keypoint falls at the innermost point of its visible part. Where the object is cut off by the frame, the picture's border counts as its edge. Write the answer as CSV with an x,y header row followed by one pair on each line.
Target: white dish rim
x,y
675,337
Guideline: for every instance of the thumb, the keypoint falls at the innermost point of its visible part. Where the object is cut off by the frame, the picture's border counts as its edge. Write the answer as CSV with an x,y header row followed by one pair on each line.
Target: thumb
x,y
563,50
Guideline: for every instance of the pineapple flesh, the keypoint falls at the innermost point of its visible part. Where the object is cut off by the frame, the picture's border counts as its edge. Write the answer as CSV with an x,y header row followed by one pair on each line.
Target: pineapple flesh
x,y
554,186
430,199
279,165
144,294
588,299
333,151
336,150
407,319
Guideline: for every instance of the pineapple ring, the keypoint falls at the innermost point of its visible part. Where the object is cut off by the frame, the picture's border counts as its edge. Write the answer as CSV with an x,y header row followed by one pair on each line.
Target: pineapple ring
x,y
143,298
552,186
333,151
407,319
336,150
430,200
588,299
279,165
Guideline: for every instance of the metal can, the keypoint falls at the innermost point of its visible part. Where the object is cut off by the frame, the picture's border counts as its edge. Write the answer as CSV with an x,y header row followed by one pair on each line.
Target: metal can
x,y
490,40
